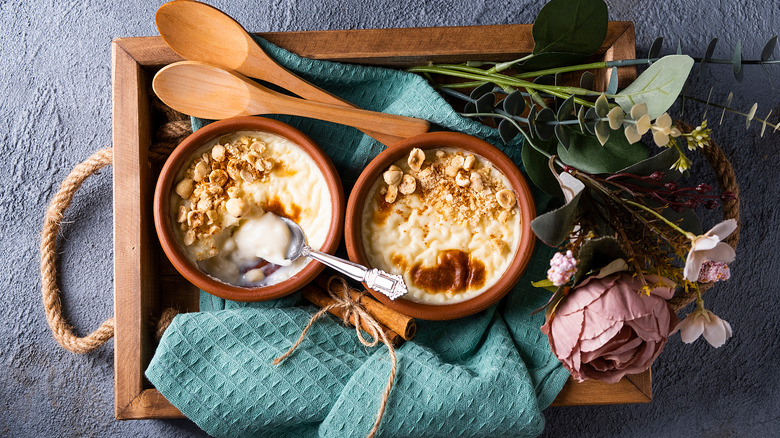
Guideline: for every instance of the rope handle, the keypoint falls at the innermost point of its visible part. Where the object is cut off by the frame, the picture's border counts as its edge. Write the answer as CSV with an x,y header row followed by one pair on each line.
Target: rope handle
x,y
52,304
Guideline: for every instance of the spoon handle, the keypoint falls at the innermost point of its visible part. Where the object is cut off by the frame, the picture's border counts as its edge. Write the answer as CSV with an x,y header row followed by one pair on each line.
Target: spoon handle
x,y
391,285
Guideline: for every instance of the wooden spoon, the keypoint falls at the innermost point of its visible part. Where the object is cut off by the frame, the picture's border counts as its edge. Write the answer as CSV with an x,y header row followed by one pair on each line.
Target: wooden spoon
x,y
209,92
200,32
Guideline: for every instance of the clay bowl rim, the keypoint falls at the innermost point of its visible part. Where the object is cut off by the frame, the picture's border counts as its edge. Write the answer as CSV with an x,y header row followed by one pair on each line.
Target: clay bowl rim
x,y
432,140
169,241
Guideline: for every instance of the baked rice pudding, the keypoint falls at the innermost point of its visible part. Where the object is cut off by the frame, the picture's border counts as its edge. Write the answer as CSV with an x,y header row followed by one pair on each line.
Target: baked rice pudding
x,y
446,220
226,203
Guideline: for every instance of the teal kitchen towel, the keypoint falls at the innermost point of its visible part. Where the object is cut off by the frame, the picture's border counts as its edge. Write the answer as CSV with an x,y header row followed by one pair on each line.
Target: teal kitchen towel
x,y
490,374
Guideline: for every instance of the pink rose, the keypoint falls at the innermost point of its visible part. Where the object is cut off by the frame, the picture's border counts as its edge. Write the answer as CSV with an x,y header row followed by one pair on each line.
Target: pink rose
x,y
605,328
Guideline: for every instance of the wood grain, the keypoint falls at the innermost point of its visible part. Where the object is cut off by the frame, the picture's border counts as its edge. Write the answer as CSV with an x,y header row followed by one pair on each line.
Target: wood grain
x,y
144,282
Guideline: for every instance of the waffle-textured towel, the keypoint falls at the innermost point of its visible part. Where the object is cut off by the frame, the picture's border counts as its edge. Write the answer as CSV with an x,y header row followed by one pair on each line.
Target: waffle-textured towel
x,y
486,375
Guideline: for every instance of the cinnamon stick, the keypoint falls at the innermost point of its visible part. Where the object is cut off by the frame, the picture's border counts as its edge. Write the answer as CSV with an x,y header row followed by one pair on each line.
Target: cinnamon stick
x,y
320,298
392,319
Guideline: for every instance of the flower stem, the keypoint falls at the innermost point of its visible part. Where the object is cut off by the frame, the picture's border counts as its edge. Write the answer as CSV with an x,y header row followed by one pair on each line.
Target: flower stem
x,y
674,226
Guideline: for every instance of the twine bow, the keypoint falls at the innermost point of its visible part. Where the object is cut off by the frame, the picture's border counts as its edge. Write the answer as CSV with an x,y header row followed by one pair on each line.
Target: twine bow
x,y
354,312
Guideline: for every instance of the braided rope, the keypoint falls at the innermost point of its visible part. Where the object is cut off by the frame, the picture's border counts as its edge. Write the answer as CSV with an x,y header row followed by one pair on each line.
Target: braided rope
x,y
51,227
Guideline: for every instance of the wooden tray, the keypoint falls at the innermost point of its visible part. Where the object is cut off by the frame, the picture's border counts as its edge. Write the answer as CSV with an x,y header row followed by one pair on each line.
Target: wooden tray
x,y
144,282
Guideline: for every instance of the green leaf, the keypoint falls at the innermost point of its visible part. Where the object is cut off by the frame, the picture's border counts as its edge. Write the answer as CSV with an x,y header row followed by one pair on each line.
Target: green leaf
x,y
571,26
594,254
545,284
658,86
555,226
537,167
586,153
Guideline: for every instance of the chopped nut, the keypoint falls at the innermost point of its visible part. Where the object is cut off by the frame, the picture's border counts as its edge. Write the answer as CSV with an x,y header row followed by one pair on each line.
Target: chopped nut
x,y
205,157
393,177
457,161
252,157
236,207
451,171
200,171
268,164
214,190
392,193
476,181
462,180
189,237
184,188
468,163
212,217
258,146
506,198
259,166
416,159
182,216
233,192
195,218
213,230
247,176
218,153
233,170
503,216
204,204
218,177
408,185
440,154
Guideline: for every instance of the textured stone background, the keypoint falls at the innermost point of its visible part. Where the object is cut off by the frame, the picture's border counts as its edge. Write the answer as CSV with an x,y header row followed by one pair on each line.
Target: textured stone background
x,y
55,70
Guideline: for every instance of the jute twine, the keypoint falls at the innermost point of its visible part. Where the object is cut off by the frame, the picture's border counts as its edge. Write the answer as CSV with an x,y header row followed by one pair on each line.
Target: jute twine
x,y
357,315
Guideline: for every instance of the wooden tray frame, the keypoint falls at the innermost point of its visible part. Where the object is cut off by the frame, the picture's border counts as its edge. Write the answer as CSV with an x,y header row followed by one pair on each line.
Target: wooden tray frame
x,y
141,274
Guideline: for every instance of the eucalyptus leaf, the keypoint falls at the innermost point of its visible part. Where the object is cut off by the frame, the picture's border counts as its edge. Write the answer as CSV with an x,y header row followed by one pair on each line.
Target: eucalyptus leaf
x,y
769,49
586,80
737,62
507,130
514,104
586,153
658,86
544,124
537,167
566,110
482,90
555,226
573,26
655,48
612,88
707,56
562,134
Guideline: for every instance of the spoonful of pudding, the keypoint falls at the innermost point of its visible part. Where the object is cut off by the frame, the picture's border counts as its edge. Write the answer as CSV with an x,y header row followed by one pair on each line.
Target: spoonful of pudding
x,y
375,279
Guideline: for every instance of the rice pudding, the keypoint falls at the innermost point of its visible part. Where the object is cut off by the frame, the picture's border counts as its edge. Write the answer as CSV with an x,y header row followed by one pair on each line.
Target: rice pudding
x,y
227,200
446,220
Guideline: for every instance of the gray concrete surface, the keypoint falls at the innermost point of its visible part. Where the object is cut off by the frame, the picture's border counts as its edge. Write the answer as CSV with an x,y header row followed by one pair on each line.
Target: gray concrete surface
x,y
55,71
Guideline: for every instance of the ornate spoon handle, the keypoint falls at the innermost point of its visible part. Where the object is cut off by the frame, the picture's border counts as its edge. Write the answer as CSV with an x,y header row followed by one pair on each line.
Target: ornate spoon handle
x,y
388,284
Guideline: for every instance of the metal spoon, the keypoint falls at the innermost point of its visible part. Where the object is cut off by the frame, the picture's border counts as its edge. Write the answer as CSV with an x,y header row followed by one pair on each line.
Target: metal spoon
x,y
375,279
200,32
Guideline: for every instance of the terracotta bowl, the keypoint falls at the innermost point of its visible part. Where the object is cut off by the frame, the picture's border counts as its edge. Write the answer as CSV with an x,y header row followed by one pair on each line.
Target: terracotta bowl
x,y
375,169
171,245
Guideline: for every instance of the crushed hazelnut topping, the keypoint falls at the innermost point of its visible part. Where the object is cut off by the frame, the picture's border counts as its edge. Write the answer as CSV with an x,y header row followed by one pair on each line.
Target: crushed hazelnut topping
x,y
211,186
454,184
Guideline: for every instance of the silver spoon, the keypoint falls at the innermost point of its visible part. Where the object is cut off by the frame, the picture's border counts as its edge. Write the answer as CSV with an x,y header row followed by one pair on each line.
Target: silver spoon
x,y
375,279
